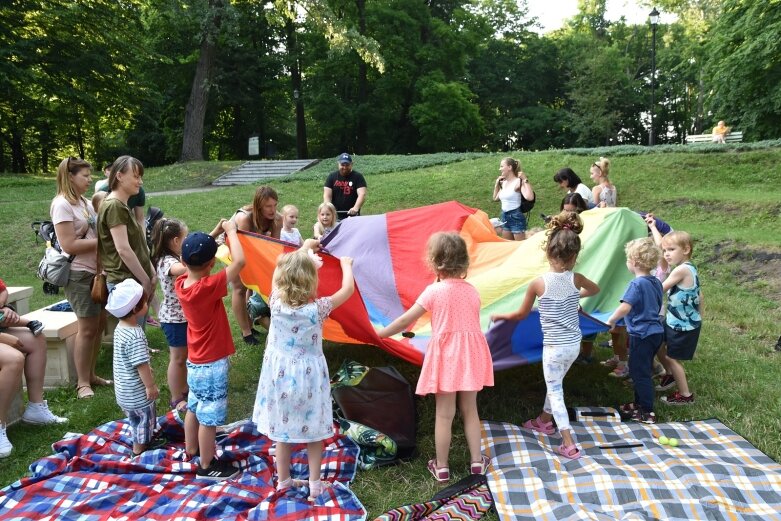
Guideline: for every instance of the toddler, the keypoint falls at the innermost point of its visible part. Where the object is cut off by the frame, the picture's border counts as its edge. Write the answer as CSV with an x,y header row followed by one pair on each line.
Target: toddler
x,y
167,238
134,385
326,220
640,305
559,292
293,401
209,344
458,361
289,231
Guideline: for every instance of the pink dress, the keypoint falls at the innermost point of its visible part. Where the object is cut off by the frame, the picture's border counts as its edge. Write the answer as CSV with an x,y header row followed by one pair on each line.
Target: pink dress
x,y
457,357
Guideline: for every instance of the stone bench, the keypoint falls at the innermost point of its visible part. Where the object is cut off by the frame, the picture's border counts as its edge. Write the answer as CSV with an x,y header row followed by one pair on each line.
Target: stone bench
x,y
19,297
60,329
732,137
16,409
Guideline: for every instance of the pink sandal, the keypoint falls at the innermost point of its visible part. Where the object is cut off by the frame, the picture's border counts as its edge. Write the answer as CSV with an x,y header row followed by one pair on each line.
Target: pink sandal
x,y
479,467
540,426
441,474
569,451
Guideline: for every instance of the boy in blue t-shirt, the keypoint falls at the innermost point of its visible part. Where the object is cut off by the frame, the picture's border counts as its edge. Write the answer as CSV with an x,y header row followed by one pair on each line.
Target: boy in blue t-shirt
x,y
641,305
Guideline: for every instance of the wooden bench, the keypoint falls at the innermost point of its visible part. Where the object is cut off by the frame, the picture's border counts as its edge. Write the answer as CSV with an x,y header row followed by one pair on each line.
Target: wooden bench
x,y
19,296
732,137
60,328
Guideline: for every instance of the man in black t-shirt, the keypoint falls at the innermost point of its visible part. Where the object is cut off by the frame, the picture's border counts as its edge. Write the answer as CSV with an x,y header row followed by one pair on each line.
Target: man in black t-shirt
x,y
345,188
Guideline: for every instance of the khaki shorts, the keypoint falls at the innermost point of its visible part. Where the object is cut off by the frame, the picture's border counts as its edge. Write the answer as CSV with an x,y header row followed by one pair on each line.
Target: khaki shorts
x,y
78,291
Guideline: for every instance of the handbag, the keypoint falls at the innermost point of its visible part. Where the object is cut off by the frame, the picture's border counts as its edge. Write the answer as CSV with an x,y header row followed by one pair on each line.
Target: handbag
x,y
99,290
55,267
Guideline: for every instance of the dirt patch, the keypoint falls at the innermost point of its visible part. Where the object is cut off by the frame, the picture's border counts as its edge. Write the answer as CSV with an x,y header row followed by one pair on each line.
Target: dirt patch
x,y
773,210
753,265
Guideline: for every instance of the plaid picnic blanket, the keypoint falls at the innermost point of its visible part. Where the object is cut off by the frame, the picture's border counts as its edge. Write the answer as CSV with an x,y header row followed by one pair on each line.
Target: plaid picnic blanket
x,y
713,474
94,477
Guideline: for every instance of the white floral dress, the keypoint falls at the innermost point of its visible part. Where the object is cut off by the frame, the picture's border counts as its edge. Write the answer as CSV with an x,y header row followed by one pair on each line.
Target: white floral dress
x,y
293,401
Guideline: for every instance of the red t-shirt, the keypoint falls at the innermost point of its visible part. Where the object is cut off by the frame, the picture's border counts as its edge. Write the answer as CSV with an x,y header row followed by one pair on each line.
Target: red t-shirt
x,y
2,285
208,331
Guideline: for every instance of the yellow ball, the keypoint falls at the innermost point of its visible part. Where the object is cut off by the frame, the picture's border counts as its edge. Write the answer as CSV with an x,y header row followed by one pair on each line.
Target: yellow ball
x,y
664,440
673,442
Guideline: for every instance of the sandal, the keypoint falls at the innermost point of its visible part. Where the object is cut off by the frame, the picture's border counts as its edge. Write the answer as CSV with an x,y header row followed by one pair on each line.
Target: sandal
x,y
481,466
441,474
84,391
101,382
540,426
569,451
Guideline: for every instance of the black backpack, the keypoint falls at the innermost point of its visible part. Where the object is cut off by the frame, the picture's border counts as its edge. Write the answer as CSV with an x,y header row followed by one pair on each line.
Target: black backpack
x,y
526,205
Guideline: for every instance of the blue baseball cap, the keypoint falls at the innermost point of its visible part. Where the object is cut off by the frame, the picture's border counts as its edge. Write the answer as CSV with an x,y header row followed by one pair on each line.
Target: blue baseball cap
x,y
344,158
198,248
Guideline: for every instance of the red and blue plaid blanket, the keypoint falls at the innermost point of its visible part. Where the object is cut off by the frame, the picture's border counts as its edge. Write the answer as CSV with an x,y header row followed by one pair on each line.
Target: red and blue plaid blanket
x,y
95,477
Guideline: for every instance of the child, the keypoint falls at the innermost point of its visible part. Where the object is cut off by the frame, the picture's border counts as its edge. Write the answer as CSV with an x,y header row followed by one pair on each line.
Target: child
x,y
134,385
289,231
326,220
209,344
683,321
458,362
640,305
293,402
559,292
604,193
167,238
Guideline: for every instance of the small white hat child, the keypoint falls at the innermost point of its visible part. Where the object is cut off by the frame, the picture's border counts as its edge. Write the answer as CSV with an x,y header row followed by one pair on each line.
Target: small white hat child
x,y
124,297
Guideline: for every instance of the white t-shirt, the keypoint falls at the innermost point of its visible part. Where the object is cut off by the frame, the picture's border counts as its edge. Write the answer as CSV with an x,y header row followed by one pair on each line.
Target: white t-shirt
x,y
293,236
83,217
586,194
509,196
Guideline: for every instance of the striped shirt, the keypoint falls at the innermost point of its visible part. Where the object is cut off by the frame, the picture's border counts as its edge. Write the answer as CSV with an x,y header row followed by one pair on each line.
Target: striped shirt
x,y
558,308
130,350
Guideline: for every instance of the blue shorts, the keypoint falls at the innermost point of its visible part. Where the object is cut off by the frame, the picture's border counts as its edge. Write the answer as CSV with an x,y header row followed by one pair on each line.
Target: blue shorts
x,y
681,344
142,422
514,221
208,397
175,333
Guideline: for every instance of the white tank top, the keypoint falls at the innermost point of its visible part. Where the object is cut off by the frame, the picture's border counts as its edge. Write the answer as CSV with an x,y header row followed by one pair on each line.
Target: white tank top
x,y
510,198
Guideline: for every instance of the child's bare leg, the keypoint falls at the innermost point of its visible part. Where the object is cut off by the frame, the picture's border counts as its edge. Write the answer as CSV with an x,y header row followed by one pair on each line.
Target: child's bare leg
x,y
177,373
620,348
467,404
676,369
282,460
665,360
314,452
12,364
239,306
191,433
566,437
443,425
206,436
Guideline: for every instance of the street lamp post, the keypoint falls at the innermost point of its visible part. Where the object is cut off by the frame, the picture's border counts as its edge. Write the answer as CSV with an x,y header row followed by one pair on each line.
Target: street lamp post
x,y
654,17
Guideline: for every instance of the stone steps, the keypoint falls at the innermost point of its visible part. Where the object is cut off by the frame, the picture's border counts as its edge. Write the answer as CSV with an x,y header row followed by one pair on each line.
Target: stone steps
x,y
253,171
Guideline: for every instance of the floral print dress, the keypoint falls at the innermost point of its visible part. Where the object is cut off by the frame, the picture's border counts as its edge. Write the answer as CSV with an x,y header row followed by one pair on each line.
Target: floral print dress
x,y
293,401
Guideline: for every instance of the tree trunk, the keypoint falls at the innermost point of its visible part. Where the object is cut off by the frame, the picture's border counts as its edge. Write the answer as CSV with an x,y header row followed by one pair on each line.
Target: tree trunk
x,y
195,112
18,158
298,92
362,128
700,102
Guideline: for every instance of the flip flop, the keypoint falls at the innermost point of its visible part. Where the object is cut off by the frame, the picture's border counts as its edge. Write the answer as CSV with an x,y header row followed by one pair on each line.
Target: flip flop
x,y
569,451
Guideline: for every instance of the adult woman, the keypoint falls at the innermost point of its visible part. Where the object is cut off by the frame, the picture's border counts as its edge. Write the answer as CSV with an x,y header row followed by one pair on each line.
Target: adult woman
x,y
512,187
121,239
604,192
74,222
569,181
21,351
259,217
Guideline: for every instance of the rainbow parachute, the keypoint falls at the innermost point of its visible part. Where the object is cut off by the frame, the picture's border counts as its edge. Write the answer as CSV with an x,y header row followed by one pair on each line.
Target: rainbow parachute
x,y
391,272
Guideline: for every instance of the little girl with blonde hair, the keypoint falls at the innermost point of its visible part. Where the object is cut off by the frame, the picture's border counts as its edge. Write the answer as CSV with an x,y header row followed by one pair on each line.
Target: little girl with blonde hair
x,y
604,193
326,220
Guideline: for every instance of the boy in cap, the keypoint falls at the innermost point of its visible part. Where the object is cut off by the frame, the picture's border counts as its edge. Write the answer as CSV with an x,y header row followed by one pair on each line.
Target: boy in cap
x,y
345,188
134,385
209,344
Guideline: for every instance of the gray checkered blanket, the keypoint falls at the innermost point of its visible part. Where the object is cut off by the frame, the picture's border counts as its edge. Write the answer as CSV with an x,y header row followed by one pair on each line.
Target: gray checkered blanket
x,y
625,473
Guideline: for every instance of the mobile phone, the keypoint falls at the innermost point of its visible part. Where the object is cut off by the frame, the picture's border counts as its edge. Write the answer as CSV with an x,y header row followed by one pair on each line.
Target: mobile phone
x,y
2,316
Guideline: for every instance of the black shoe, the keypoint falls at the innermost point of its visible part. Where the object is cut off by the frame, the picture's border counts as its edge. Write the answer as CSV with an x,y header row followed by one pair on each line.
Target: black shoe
x,y
251,340
217,471
36,327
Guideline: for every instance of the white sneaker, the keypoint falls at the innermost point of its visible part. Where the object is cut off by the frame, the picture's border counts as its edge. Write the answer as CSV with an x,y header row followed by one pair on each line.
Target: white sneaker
x,y
39,414
5,445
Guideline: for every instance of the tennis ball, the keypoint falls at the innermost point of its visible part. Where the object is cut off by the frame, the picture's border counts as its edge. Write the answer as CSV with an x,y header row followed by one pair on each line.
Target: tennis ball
x,y
664,440
673,442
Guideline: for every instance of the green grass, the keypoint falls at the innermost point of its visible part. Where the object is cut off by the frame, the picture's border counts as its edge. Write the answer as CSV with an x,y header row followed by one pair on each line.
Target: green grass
x,y
728,200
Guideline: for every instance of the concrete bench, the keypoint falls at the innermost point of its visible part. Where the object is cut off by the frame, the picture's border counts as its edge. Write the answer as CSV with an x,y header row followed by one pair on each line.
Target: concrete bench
x,y
16,409
60,328
732,137
19,296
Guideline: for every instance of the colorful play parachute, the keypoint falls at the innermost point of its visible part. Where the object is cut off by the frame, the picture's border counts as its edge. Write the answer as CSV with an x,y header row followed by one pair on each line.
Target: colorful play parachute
x,y
390,272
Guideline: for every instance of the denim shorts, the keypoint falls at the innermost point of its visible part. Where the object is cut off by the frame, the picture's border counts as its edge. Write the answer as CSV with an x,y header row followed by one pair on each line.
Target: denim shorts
x,y
142,422
208,397
175,333
514,221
